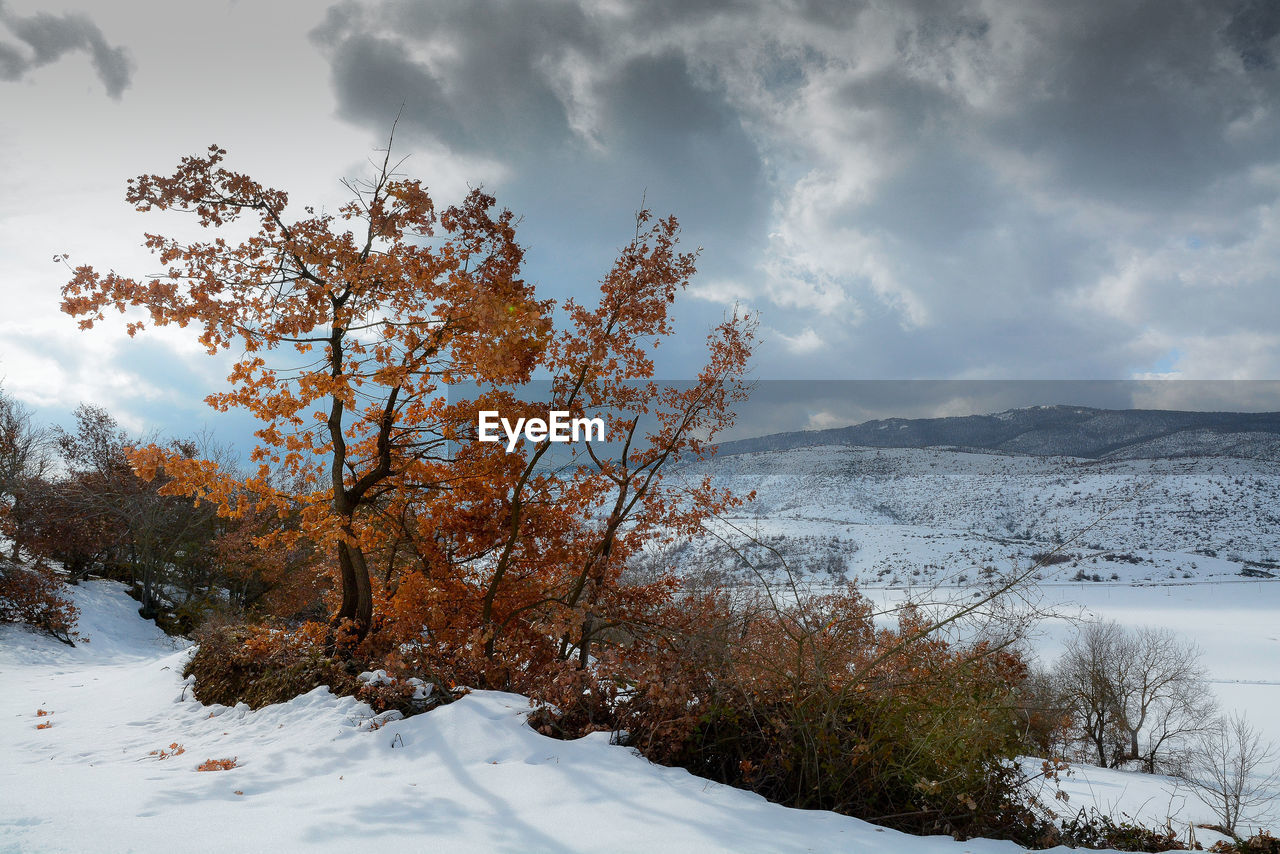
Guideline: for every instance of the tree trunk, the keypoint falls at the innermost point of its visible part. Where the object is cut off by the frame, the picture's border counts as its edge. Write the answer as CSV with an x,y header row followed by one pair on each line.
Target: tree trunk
x,y
357,591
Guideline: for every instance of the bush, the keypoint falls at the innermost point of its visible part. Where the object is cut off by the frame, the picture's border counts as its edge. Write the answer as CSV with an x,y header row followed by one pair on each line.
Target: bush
x,y
1094,829
261,665
812,706
1260,843
34,597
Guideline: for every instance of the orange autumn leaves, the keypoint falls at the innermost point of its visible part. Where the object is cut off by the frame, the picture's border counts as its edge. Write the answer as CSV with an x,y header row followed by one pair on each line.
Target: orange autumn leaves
x,y
218,765
174,749
355,332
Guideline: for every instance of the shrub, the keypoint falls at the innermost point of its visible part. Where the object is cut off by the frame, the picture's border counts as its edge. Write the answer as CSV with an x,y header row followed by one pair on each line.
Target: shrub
x,y
261,665
812,706
1232,770
1095,829
34,597
408,696
1260,843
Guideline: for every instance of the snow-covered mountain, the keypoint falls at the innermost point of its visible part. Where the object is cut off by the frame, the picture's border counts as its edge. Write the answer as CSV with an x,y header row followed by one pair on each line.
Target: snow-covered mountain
x,y
1077,431
900,516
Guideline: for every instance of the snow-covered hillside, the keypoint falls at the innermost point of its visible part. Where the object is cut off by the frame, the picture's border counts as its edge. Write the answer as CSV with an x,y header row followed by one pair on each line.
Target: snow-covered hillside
x,y
315,775
902,516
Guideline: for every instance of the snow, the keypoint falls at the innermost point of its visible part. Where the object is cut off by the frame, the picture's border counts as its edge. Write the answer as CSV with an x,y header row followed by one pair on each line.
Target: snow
x,y
910,516
1152,800
312,774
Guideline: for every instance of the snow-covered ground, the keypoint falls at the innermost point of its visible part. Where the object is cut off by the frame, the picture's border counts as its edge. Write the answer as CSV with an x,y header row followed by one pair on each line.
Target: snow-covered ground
x,y
1152,800
312,775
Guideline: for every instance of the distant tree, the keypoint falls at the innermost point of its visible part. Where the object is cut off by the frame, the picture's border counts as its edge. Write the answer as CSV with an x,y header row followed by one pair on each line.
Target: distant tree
x,y
1084,674
1160,694
1233,771
263,572
100,515
62,526
24,461
1135,695
1045,714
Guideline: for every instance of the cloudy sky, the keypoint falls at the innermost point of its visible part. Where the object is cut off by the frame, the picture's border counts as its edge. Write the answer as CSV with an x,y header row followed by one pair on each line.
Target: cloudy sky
x,y
997,189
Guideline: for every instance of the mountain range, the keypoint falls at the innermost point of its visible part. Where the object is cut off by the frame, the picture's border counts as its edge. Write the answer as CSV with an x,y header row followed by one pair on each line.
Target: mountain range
x,y
1075,431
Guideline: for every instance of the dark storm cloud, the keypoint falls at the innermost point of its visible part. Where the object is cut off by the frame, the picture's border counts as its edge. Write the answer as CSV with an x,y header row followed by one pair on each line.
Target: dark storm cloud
x,y
478,80
1133,101
1031,188
589,130
49,37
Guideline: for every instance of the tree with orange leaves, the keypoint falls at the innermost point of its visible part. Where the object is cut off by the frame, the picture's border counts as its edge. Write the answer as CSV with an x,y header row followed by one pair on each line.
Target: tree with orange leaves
x,y
382,303
533,558
388,305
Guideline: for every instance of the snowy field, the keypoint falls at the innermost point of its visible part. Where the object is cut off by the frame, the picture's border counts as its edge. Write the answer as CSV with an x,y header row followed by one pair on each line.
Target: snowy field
x,y
909,516
313,775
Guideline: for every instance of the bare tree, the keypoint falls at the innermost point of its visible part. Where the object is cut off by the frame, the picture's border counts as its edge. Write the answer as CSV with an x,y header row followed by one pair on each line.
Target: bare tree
x,y
1135,695
1085,673
1233,771
1160,695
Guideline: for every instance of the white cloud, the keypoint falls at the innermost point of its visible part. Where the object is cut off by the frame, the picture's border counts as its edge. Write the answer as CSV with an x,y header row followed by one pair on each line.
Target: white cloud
x,y
825,421
804,342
